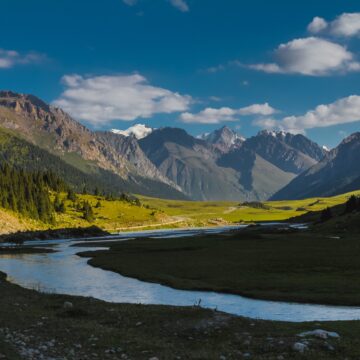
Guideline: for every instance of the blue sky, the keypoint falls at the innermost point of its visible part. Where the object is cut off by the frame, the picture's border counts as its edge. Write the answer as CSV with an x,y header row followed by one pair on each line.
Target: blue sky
x,y
196,64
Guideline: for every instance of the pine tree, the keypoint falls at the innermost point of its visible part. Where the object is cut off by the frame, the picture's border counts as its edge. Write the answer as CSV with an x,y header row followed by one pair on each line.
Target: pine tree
x,y
351,205
88,213
71,195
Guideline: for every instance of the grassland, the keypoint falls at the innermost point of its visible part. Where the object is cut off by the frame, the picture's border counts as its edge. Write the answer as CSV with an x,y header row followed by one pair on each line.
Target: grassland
x,y
114,216
234,212
38,324
303,266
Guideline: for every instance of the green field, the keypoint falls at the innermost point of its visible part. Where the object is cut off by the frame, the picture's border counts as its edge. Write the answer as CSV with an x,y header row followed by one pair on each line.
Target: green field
x,y
118,215
233,212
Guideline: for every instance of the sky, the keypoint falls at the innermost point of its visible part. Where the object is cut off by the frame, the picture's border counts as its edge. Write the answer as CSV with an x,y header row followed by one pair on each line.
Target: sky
x,y
195,64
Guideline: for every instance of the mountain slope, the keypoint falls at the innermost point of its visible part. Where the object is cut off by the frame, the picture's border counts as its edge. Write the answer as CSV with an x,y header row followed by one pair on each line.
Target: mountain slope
x,y
90,152
257,175
205,173
290,153
22,154
190,163
337,173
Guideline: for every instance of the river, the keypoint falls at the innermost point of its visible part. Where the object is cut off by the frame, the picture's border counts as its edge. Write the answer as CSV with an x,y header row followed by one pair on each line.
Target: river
x,y
64,272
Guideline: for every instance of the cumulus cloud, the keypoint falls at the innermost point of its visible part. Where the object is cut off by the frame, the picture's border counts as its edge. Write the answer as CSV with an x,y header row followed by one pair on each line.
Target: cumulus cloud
x,y
11,58
179,4
267,123
310,56
101,99
342,111
317,25
215,116
345,25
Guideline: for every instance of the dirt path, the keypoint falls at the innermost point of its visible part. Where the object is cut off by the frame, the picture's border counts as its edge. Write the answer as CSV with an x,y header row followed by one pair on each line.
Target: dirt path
x,y
230,210
173,222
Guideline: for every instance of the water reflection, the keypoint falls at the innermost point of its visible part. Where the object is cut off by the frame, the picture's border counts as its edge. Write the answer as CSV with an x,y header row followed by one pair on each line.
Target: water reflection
x,y
64,272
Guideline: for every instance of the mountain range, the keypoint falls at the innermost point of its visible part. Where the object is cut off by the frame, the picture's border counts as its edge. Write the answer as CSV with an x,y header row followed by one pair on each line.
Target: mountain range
x,y
169,162
338,172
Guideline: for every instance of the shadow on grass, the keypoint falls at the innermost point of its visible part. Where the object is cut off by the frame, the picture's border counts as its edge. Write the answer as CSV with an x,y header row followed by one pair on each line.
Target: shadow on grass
x,y
20,237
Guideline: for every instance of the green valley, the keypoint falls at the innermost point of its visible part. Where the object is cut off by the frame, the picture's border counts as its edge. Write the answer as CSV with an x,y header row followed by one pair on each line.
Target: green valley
x,y
152,213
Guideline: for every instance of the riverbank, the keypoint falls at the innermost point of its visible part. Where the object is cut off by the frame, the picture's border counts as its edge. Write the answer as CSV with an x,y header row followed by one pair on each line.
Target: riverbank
x,y
54,326
49,234
259,262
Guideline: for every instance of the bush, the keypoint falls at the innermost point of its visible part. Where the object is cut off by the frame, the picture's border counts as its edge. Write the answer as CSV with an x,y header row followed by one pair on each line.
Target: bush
x,y
353,204
326,215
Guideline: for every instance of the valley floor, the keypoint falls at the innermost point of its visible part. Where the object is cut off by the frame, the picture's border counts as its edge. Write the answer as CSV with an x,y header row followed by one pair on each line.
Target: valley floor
x,y
260,262
40,326
116,215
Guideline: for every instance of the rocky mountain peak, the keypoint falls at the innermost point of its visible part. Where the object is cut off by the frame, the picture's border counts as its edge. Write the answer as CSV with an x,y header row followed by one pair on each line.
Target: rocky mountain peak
x,y
355,137
139,131
23,103
338,172
224,139
54,130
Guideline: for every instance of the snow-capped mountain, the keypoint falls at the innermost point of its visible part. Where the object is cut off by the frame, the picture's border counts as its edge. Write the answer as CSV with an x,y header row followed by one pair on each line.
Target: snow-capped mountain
x,y
139,131
225,139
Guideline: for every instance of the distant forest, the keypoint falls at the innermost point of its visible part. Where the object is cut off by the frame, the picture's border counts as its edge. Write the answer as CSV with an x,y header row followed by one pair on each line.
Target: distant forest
x,y
28,192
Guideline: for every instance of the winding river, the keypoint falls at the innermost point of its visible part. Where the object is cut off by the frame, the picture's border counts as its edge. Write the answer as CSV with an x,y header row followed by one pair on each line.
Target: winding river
x,y
66,273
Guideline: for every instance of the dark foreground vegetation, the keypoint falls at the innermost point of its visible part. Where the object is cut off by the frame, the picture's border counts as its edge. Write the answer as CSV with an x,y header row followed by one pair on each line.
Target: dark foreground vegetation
x,y
70,233
39,326
320,265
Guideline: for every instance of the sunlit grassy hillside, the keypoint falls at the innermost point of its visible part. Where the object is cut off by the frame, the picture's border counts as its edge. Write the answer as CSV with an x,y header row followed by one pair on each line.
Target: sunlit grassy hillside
x,y
236,212
118,215
110,215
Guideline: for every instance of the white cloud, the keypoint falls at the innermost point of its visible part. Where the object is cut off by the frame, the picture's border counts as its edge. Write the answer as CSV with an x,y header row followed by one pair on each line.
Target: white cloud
x,y
345,25
11,58
257,109
310,56
266,123
270,68
179,4
215,116
317,25
342,111
139,131
210,116
101,99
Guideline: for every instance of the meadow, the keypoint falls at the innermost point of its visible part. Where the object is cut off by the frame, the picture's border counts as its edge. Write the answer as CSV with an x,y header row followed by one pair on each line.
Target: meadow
x,y
316,265
153,213
236,212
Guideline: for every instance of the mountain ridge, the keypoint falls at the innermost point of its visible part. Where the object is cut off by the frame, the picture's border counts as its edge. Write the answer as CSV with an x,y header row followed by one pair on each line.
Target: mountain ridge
x,y
337,172
55,131
221,165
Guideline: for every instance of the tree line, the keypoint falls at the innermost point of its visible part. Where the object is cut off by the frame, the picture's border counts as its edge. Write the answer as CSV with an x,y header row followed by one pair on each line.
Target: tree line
x,y
28,192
